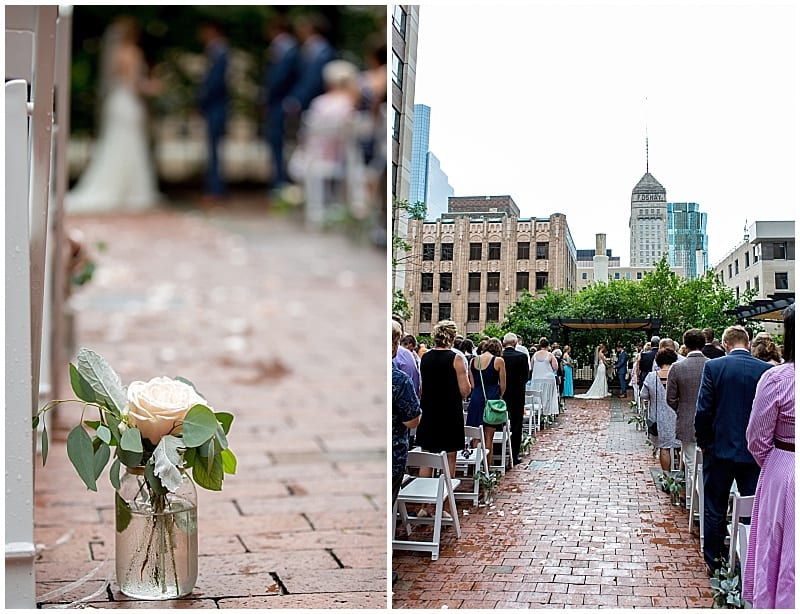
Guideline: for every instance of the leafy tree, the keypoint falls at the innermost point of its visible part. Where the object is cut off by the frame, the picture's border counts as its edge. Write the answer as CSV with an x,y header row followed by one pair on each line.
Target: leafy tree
x,y
400,306
528,316
493,330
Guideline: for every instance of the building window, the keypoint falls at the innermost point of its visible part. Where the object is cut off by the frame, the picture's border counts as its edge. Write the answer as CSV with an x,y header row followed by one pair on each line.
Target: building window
x,y
584,275
425,312
475,251
756,253
541,281
523,281
397,70
474,282
627,274
524,251
445,311
737,293
395,124
447,251
492,312
730,271
493,282
638,274
473,312
494,251
747,285
399,20
542,251
781,281
746,259
736,266
755,283
426,284
394,179
779,250
445,282
428,251
616,274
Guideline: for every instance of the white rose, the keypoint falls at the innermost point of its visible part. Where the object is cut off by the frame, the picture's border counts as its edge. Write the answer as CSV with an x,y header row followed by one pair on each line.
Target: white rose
x,y
157,406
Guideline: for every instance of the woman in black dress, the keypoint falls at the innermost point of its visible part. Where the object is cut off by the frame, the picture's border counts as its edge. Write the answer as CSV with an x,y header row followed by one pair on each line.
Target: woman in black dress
x,y
445,384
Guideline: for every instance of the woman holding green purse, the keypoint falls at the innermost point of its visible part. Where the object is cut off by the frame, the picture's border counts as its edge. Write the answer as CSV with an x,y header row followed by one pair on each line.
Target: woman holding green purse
x,y
487,372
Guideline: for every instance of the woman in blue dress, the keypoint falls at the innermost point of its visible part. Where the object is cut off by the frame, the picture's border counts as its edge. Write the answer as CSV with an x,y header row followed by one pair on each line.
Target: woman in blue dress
x,y
492,368
567,363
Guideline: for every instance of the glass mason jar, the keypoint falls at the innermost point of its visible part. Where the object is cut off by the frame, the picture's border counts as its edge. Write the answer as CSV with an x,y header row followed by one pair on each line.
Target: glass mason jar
x,y
156,538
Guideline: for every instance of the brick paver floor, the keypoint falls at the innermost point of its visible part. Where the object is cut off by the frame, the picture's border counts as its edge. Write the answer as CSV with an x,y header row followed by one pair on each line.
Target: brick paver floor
x,y
282,327
579,524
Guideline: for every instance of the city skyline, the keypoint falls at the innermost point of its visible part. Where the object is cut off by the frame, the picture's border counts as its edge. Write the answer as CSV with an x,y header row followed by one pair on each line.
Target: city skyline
x,y
556,113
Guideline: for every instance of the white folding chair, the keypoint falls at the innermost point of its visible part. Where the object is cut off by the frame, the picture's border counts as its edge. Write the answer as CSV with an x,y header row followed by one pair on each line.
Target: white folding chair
x,y
430,491
469,467
502,437
696,506
739,532
533,409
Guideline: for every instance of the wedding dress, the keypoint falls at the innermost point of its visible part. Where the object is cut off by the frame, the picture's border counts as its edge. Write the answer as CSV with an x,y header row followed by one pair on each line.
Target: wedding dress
x,y
120,175
599,387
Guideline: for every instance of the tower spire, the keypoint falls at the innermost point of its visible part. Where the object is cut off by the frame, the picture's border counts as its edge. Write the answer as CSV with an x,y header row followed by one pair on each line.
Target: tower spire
x,y
646,139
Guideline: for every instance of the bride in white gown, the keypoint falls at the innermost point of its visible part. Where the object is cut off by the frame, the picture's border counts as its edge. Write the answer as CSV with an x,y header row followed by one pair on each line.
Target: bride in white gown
x,y
599,387
120,174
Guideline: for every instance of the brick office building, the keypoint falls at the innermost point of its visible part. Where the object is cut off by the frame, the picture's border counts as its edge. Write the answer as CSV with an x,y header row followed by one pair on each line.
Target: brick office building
x,y
473,262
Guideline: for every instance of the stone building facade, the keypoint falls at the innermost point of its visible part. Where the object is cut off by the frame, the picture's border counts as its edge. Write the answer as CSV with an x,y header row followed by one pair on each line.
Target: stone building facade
x,y
474,262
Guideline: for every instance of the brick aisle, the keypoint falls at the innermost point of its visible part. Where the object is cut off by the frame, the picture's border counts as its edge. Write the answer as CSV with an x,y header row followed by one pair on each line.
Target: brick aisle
x,y
578,524
283,328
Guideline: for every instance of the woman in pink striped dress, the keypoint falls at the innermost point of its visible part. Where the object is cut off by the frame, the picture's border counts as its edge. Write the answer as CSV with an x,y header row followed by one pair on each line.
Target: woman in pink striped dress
x,y
769,569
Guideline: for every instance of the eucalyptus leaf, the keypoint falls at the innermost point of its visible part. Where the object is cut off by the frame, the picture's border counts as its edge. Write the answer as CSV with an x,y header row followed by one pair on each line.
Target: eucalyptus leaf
x,y
220,437
129,459
102,379
199,425
113,425
92,424
36,421
189,457
104,434
123,513
209,476
225,419
131,441
166,462
228,461
212,454
113,473
45,443
80,386
101,457
81,453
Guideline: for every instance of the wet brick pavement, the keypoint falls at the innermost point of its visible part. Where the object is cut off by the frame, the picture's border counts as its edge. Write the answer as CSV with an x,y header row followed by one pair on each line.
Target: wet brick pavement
x,y
285,329
579,524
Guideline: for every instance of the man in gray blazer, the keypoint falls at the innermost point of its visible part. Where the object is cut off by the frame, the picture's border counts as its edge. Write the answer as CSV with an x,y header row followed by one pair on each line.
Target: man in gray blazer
x,y
683,384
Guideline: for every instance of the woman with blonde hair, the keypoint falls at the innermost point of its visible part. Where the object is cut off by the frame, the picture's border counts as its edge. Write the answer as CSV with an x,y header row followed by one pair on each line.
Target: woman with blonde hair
x,y
445,385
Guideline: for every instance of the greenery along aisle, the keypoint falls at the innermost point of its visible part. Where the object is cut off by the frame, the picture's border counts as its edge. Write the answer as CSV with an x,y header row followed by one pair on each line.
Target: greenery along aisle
x,y
160,430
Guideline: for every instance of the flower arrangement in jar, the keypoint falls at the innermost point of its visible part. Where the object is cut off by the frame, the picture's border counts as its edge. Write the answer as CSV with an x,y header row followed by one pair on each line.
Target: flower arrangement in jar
x,y
160,431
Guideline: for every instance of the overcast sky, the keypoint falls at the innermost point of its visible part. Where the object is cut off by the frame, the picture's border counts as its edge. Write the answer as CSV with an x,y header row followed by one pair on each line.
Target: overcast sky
x,y
547,104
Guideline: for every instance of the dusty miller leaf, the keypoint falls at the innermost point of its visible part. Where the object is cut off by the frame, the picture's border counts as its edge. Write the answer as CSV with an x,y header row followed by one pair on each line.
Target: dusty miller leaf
x,y
166,460
102,379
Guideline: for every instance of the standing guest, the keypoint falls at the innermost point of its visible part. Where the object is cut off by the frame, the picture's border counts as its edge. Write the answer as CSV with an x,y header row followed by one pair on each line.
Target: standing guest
x,y
445,385
769,570
683,384
684,351
315,51
724,404
279,78
654,389
406,361
213,102
710,349
423,347
647,359
636,377
543,376
521,348
468,348
568,363
487,378
459,341
766,350
622,370
516,378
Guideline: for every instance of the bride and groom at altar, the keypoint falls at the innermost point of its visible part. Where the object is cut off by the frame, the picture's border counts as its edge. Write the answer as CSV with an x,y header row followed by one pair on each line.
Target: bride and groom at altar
x,y
602,365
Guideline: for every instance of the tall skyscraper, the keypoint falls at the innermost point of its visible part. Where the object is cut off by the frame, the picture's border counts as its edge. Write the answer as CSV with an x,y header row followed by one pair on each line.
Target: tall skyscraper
x,y
438,189
419,153
648,221
688,242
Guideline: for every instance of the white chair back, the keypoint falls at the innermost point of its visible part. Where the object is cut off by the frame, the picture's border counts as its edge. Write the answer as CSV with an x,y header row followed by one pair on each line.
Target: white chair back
x,y
740,532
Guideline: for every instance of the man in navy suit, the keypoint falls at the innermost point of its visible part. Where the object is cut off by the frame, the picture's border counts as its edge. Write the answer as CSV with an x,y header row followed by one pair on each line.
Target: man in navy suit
x,y
315,51
724,404
213,101
517,376
647,358
622,369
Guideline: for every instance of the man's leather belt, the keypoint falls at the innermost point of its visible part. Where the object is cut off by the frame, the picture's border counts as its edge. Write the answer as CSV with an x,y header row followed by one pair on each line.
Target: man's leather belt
x,y
782,445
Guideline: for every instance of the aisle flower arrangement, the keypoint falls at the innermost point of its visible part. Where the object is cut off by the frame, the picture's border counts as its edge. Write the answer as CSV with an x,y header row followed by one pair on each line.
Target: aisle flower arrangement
x,y
159,430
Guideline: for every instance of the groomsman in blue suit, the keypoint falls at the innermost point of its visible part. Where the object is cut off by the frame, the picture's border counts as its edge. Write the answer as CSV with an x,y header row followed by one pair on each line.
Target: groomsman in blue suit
x,y
622,370
315,51
724,403
213,102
